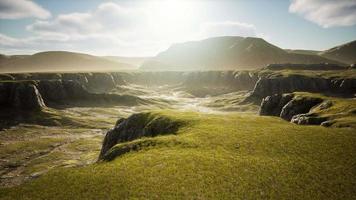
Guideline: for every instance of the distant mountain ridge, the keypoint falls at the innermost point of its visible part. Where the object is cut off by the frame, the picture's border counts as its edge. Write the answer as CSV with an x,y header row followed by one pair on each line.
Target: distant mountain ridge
x,y
229,52
343,53
58,61
135,61
219,53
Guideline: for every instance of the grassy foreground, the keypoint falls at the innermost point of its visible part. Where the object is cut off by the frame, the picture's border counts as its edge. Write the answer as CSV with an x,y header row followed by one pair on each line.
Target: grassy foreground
x,y
230,156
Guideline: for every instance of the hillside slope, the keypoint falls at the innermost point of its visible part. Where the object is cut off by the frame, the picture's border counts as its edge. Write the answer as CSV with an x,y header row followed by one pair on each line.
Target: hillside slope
x,y
134,61
58,61
344,53
236,156
230,52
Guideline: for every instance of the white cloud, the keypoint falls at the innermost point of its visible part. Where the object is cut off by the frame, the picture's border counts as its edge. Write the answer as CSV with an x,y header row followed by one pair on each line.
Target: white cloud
x,y
227,28
112,29
16,9
107,18
326,13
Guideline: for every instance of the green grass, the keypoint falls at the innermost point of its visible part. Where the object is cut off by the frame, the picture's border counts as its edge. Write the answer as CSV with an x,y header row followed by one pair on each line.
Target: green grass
x,y
338,74
230,156
342,112
232,102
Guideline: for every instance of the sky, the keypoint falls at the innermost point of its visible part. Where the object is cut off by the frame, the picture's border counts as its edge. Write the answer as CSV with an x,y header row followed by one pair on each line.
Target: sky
x,y
144,28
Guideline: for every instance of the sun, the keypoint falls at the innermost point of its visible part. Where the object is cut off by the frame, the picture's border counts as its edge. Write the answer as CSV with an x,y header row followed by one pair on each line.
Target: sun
x,y
172,18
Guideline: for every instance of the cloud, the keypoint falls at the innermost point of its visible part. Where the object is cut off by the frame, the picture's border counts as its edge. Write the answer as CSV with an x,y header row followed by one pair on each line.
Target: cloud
x,y
113,29
17,9
227,28
326,13
107,18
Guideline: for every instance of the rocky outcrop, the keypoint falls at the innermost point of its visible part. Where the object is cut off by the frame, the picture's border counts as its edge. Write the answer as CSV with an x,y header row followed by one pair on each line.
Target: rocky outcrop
x,y
272,105
321,66
58,91
96,82
238,80
21,95
299,105
100,82
294,108
269,85
137,126
308,119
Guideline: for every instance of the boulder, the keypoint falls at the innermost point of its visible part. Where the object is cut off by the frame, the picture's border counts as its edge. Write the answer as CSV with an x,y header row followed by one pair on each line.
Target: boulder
x,y
137,126
308,119
299,105
272,105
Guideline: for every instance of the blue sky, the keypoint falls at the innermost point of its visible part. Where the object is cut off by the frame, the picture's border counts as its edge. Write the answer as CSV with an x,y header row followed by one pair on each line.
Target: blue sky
x,y
143,28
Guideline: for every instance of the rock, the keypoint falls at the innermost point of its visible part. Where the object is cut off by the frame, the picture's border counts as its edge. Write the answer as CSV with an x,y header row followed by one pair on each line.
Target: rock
x,y
299,105
325,105
4,93
272,105
79,77
308,119
52,90
320,66
137,126
6,77
60,92
348,86
24,95
101,82
327,123
270,85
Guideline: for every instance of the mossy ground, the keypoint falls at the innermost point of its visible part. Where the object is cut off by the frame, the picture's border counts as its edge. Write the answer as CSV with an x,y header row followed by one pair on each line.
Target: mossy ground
x,y
341,113
337,74
215,156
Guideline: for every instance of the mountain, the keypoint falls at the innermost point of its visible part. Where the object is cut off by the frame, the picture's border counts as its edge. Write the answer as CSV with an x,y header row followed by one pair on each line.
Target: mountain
x,y
134,61
345,53
302,51
228,52
58,61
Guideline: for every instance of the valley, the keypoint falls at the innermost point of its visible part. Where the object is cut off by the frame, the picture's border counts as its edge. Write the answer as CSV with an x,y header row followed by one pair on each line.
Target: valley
x,y
59,124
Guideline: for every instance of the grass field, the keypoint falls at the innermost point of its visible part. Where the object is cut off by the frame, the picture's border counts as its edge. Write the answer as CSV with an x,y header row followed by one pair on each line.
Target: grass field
x,y
213,156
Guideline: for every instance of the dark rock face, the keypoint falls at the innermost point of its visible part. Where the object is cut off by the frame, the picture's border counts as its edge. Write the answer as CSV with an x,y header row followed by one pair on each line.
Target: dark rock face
x,y
101,82
294,109
238,80
308,119
321,66
80,78
58,91
21,95
298,106
272,105
137,126
267,86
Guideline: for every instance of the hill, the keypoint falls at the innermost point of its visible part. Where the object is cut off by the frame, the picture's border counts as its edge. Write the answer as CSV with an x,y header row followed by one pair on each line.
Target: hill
x,y
58,61
235,156
302,51
134,61
345,53
229,52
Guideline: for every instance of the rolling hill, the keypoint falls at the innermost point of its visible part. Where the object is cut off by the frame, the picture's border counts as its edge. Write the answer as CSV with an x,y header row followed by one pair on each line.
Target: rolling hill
x,y
58,61
229,52
134,61
345,53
